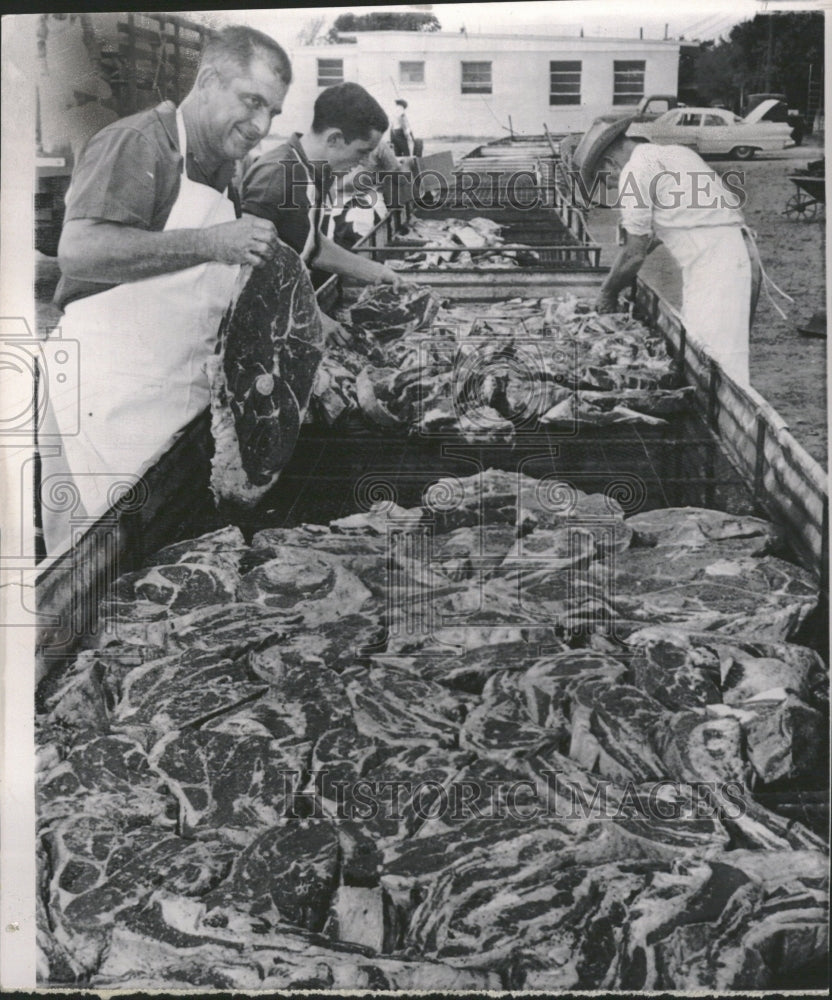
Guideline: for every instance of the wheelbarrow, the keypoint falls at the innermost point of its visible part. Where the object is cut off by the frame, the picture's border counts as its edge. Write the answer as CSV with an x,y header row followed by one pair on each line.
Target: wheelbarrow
x,y
809,196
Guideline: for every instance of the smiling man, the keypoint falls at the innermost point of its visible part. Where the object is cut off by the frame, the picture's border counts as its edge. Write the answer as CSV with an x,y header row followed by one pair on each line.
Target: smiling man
x,y
290,185
149,254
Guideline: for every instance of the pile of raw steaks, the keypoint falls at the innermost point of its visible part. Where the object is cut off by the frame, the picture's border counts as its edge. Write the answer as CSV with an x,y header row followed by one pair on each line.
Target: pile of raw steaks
x,y
507,739
482,371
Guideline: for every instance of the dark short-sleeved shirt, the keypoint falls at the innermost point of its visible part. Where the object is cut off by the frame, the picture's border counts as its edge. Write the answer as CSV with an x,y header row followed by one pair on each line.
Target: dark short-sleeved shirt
x,y
129,173
275,187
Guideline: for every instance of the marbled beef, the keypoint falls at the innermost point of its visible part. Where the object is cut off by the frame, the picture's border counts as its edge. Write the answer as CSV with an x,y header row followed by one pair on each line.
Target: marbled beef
x,y
270,345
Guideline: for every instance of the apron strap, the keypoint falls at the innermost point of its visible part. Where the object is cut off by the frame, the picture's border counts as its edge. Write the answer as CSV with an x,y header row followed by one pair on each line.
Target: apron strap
x,y
768,284
314,213
183,139
183,149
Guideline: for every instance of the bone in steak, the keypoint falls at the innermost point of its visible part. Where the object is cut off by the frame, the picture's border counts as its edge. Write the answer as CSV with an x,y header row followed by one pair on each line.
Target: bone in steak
x,y
220,780
270,345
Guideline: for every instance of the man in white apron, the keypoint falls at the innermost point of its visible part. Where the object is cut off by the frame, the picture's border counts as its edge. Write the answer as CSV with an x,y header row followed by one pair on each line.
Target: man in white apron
x,y
291,185
401,135
150,252
669,194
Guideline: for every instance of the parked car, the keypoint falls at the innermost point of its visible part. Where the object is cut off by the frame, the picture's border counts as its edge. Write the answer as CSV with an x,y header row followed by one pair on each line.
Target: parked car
x,y
716,131
777,110
648,108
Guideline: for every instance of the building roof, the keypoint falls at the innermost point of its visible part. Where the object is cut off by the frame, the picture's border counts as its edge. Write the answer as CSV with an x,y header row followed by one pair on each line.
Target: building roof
x,y
510,36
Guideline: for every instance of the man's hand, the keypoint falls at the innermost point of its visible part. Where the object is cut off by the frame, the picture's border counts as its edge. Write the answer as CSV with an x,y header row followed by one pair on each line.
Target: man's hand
x,y
387,276
334,333
245,241
607,302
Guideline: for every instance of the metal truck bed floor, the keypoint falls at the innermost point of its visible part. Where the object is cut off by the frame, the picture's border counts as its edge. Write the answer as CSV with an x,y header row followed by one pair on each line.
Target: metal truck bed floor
x,y
674,466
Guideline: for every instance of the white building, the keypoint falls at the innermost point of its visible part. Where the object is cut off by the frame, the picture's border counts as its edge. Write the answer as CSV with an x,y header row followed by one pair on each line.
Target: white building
x,y
478,85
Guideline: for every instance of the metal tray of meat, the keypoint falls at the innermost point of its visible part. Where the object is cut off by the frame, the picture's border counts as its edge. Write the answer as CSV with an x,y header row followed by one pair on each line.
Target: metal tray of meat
x,y
743,439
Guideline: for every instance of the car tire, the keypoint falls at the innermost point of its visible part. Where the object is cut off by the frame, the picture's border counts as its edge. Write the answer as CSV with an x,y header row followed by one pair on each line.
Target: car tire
x,y
743,152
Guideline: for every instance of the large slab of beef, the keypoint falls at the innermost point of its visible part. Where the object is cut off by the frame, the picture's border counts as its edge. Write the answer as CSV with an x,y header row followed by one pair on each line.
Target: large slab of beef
x,y
412,750
270,345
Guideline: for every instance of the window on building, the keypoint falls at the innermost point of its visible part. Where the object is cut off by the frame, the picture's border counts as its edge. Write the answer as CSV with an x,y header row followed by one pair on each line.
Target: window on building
x,y
330,72
476,78
565,82
628,81
411,72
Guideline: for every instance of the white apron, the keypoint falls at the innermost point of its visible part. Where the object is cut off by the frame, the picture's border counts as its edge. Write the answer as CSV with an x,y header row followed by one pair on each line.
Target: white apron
x,y
143,347
716,291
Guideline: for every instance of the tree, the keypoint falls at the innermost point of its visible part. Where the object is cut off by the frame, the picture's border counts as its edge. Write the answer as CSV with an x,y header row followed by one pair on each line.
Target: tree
x,y
770,53
387,21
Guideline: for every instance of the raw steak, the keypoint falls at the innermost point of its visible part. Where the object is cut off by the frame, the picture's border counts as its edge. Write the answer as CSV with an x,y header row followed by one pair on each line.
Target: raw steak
x,y
229,630
166,955
186,689
486,498
763,596
364,555
224,547
396,796
340,758
679,678
784,737
387,314
466,618
181,578
699,746
400,710
659,820
503,728
468,553
221,780
622,720
337,644
286,875
546,686
87,696
270,345
308,695
312,584
489,803
694,527
468,671
109,775
139,861
762,911
517,910
740,666
566,929
506,723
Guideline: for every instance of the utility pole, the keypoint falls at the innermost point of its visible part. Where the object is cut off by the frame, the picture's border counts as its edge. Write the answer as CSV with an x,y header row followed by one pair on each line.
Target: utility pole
x,y
665,32
769,49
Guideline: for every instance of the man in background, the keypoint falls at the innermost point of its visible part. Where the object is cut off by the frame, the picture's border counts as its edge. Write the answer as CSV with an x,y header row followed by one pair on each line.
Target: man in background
x,y
401,135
